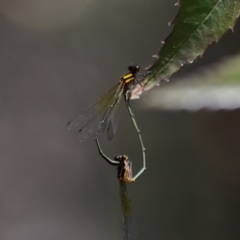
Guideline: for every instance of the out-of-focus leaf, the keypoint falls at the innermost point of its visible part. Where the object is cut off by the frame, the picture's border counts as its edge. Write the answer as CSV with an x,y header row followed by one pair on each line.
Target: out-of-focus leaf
x,y
218,88
197,24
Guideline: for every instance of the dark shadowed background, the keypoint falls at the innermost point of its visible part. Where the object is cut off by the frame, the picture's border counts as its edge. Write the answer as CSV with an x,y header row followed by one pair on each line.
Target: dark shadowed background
x,y
59,56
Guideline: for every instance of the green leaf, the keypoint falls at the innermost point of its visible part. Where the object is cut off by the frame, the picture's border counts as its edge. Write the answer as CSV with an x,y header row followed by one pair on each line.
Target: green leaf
x,y
197,24
215,89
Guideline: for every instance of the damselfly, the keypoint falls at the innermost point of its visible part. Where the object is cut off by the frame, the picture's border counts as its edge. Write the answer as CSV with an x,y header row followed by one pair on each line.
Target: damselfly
x,y
124,167
105,111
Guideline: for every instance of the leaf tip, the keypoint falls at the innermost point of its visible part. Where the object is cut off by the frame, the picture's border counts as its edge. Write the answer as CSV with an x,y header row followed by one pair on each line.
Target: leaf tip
x,y
147,68
177,4
170,23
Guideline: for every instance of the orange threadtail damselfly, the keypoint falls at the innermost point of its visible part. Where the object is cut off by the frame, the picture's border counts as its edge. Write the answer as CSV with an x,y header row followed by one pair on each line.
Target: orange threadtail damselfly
x,y
124,167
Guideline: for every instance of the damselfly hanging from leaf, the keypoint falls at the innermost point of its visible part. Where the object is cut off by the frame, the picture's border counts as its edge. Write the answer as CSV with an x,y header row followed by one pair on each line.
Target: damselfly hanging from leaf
x,y
105,111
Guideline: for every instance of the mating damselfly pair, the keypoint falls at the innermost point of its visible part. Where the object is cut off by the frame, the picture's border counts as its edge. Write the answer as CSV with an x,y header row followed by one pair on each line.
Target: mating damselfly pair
x,y
102,114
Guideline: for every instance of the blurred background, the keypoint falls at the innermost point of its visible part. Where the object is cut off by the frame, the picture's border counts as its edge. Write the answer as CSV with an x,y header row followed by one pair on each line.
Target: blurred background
x,y
56,58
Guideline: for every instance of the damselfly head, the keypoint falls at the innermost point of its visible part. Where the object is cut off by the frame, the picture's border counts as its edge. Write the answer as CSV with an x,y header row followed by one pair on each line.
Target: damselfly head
x,y
121,158
134,69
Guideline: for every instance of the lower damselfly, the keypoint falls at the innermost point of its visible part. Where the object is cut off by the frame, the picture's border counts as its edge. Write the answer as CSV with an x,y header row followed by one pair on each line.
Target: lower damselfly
x,y
105,111
124,167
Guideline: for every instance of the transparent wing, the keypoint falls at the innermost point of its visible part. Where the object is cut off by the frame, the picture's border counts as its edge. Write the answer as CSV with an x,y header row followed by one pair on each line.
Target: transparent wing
x,y
110,111
129,224
113,120
87,122
90,128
